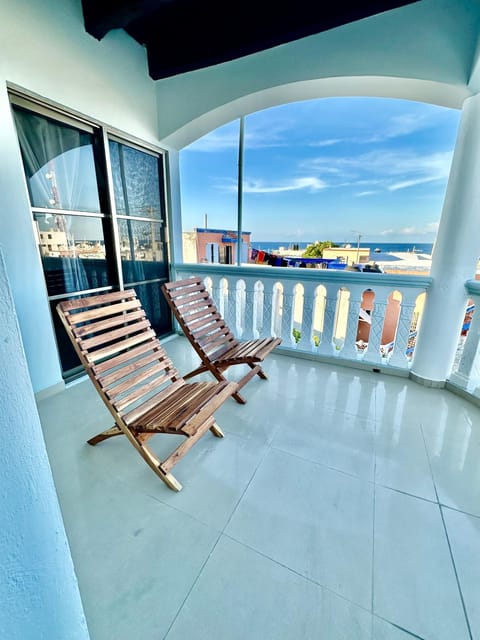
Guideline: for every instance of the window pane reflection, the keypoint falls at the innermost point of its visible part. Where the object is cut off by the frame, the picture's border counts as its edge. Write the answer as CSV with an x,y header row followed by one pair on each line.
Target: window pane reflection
x,y
136,182
59,163
73,252
142,250
155,306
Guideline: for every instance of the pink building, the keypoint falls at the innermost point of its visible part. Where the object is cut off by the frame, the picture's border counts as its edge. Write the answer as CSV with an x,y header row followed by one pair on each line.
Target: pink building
x,y
215,246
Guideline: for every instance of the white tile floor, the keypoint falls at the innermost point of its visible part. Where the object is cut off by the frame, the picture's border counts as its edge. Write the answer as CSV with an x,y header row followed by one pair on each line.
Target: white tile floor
x,y
341,504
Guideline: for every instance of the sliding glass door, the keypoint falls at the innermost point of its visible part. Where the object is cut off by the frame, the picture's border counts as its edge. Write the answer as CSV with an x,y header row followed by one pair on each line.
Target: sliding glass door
x,y
98,212
138,193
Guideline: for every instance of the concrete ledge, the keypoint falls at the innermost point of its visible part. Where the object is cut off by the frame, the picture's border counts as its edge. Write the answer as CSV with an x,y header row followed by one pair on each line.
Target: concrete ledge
x,y
426,382
342,362
462,393
50,391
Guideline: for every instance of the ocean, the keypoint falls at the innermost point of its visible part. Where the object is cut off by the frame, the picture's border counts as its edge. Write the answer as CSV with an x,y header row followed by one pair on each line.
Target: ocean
x,y
385,247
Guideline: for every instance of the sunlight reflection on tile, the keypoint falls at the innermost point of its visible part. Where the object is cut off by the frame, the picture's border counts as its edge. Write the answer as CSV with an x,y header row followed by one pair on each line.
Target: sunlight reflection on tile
x,y
294,480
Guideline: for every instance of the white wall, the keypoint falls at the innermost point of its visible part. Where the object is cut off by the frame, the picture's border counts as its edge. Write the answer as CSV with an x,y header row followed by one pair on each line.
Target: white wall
x,y
38,589
424,51
45,49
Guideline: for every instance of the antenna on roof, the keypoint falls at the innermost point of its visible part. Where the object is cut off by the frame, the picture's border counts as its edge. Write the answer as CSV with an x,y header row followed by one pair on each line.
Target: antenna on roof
x,y
205,220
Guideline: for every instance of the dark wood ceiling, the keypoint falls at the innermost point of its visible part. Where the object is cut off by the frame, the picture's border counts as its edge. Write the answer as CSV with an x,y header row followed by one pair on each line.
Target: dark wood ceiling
x,y
185,35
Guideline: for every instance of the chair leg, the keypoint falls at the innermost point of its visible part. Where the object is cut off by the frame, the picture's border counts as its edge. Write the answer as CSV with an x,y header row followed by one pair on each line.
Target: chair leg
x,y
217,372
171,482
201,369
217,432
156,465
109,433
240,399
261,373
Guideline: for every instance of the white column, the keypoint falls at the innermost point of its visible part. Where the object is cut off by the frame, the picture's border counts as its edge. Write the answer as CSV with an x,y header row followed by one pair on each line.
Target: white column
x,y
455,255
174,208
38,587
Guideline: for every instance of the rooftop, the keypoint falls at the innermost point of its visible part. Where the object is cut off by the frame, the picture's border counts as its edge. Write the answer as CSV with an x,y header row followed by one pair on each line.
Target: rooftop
x,y
340,504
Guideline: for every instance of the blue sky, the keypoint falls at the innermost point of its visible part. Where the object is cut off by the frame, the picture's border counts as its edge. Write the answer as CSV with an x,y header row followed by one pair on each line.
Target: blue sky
x,y
326,169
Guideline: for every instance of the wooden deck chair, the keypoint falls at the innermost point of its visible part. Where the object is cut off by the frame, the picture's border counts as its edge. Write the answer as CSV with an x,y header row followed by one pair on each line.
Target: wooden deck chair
x,y
210,336
137,380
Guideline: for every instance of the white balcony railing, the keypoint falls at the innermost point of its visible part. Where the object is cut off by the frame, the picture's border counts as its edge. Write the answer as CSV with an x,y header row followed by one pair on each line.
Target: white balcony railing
x,y
354,317
466,370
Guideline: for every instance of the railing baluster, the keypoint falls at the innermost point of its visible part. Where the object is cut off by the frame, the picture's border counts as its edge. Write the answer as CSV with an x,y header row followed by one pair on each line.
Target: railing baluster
x,y
350,347
306,340
230,303
326,345
469,360
216,290
399,357
287,314
373,354
266,328
249,312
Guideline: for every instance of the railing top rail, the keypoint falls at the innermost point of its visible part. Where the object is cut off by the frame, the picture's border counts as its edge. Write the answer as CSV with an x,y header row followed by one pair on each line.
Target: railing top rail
x,y
473,287
316,275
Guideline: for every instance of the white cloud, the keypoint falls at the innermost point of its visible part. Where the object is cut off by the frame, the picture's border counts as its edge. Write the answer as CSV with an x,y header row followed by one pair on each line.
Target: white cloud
x,y
218,140
396,127
309,183
361,194
393,170
412,231
227,137
326,143
411,183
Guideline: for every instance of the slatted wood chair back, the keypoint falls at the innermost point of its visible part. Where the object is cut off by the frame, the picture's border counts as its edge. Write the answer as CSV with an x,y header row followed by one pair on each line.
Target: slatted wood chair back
x,y
199,318
209,334
136,378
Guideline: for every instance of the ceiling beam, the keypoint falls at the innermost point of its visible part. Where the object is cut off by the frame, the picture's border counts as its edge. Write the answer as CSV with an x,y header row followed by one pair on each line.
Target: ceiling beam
x,y
185,35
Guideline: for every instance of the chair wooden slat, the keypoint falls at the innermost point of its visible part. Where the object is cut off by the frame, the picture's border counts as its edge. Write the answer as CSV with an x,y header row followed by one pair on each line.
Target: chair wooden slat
x,y
209,334
105,337
120,386
107,352
130,367
136,379
102,312
90,301
122,359
110,323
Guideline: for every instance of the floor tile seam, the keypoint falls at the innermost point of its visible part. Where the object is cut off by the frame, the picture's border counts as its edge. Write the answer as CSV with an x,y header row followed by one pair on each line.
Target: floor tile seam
x,y
373,533
321,586
245,438
372,602
462,599
184,512
268,447
296,572
349,413
352,475
192,586
465,513
400,628
450,550
406,493
321,464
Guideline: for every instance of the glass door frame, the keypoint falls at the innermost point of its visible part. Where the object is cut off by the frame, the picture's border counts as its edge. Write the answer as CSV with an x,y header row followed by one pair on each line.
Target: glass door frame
x,y
102,134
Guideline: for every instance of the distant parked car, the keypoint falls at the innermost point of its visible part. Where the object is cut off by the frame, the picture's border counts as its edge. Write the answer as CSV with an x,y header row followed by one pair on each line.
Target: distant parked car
x,y
368,268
